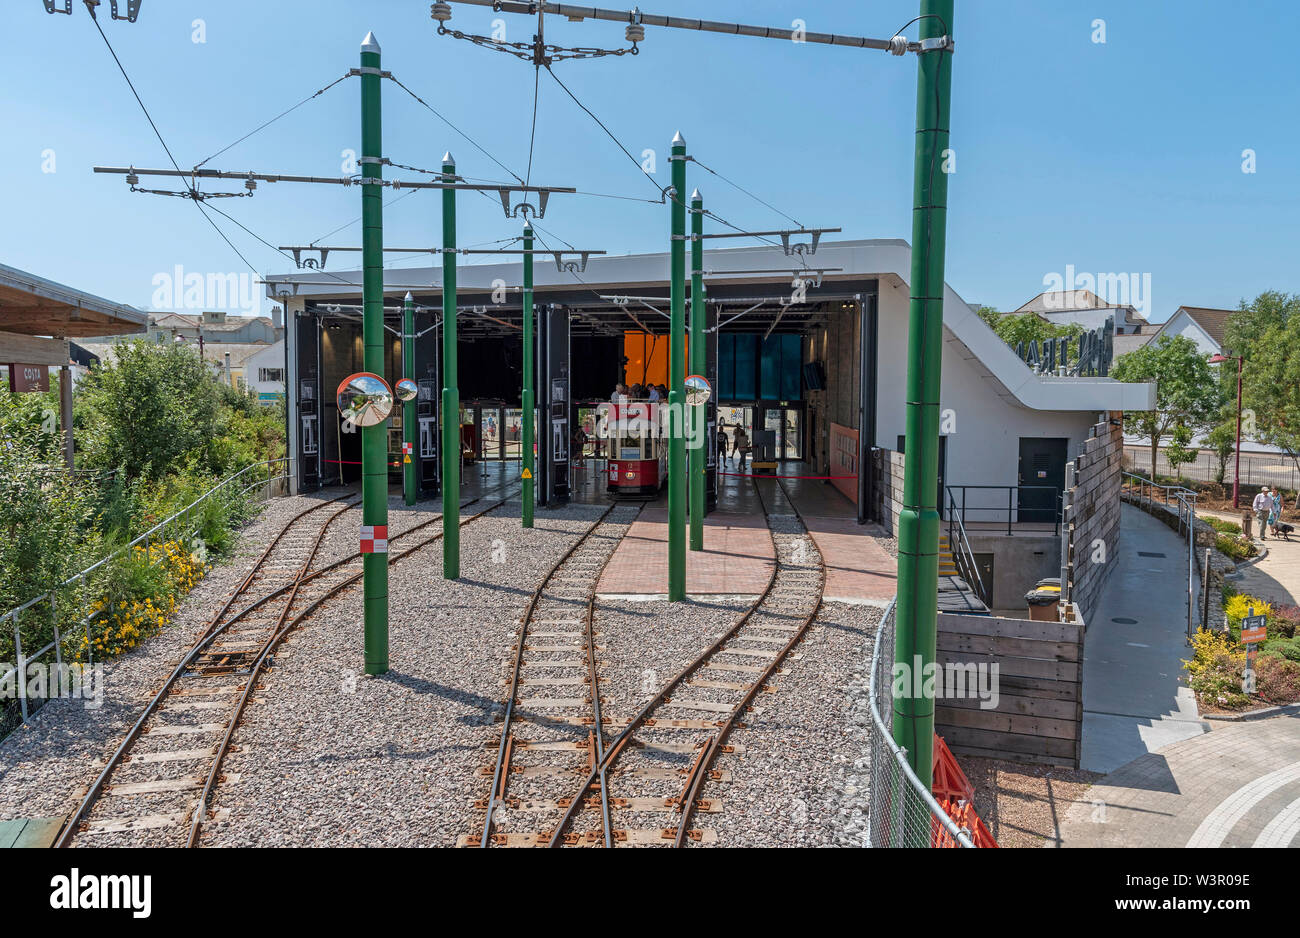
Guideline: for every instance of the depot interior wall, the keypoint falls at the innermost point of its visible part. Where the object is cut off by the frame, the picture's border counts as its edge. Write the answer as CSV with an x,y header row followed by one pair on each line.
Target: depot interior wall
x,y
984,448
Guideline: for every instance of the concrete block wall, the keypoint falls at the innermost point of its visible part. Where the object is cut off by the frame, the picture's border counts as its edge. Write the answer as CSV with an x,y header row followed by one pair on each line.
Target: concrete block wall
x,y
892,489
1094,481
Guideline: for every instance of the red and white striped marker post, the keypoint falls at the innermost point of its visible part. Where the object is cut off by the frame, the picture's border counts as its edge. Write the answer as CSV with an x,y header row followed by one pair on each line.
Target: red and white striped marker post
x,y
374,539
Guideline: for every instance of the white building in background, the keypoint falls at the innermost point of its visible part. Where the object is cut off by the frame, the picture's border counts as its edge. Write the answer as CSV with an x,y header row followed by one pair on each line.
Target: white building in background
x,y
264,373
1087,309
1205,327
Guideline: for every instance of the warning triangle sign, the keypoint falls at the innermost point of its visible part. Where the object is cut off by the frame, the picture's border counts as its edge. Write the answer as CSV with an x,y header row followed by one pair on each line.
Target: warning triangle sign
x,y
527,474
407,459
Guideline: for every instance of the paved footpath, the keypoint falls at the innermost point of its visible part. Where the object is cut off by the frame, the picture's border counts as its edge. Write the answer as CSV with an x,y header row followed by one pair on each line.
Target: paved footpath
x,y
1274,577
1237,786
1135,700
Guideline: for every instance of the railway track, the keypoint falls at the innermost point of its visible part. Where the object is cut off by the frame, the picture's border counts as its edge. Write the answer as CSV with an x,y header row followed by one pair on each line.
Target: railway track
x,y
166,770
552,720
660,762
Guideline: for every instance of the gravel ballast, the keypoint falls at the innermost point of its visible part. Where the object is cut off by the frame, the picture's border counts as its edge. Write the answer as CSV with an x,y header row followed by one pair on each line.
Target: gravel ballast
x,y
329,757
47,763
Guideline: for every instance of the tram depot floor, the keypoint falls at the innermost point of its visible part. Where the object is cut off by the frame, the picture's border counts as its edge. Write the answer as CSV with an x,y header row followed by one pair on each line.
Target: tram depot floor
x,y
737,555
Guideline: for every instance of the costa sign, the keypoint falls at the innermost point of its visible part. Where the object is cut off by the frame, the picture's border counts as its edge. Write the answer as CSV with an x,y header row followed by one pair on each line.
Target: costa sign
x,y
23,378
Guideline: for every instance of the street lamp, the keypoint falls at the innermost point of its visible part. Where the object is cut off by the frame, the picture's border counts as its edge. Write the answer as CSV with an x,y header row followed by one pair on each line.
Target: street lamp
x,y
1236,477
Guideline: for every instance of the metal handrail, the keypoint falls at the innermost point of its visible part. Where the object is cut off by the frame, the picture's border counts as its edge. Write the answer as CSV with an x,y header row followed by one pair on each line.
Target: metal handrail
x,y
1012,508
965,558
960,835
147,538
1184,499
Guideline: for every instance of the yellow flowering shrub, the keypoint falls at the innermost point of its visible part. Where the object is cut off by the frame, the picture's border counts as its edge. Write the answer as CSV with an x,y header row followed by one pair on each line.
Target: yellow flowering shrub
x,y
118,625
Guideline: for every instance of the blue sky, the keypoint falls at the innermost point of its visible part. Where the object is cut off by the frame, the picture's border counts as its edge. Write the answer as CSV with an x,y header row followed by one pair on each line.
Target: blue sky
x,y
1117,157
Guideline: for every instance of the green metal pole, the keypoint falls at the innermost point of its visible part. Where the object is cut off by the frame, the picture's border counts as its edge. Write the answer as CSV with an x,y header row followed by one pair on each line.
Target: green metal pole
x,y
450,388
527,403
374,440
408,409
677,382
696,351
918,534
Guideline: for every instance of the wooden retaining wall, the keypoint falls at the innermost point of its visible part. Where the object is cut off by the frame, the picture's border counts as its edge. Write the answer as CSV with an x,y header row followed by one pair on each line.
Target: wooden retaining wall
x,y
1039,716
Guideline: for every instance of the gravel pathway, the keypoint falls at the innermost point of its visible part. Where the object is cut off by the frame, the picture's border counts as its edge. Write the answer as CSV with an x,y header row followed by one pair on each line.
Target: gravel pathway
x,y
46,764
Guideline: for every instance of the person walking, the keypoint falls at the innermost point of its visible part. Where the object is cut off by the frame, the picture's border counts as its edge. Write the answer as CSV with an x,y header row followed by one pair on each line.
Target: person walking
x,y
1262,506
740,444
1275,512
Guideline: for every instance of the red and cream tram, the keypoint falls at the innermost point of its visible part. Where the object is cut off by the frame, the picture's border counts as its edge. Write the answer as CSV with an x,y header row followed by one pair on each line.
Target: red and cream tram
x,y
637,462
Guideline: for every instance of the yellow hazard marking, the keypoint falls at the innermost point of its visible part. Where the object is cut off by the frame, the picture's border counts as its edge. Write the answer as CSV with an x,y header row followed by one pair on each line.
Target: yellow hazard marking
x,y
527,474
407,459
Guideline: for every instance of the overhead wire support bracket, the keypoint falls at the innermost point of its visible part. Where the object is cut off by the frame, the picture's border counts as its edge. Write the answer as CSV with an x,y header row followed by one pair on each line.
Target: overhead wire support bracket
x,y
318,263
895,45
808,248
543,192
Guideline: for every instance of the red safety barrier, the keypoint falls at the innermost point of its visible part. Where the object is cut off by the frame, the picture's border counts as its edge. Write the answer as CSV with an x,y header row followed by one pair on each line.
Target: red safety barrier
x,y
765,475
954,792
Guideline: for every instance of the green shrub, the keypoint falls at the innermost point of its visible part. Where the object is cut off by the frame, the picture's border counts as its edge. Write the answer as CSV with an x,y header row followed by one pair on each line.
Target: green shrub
x,y
1238,548
1288,648
1277,680
1223,527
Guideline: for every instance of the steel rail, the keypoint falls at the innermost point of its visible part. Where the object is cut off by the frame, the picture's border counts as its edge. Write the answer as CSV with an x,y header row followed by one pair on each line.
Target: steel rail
x,y
257,565
210,633
517,666
700,770
214,774
71,825
623,738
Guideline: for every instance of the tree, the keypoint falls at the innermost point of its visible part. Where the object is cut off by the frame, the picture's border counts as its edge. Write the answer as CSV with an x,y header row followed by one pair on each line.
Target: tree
x,y
1179,452
1266,334
147,408
1187,392
1222,440
1022,328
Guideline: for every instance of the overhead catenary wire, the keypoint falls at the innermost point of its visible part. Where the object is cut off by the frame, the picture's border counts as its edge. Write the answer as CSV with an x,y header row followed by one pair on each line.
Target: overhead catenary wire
x,y
157,133
267,124
472,141
662,190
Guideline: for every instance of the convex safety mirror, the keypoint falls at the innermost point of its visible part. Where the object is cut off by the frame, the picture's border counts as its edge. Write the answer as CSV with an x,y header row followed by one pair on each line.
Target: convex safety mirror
x,y
698,391
406,390
365,399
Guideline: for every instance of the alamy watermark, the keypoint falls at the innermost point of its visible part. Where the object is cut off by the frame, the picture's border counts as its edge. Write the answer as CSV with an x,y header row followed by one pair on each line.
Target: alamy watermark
x,y
65,681
178,290
951,681
1122,289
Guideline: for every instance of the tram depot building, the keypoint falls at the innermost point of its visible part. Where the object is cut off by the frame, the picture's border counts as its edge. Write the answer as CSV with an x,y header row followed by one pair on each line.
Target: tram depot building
x,y
808,351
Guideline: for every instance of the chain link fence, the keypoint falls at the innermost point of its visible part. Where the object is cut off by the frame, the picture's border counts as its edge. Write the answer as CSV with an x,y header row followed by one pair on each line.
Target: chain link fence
x,y
903,813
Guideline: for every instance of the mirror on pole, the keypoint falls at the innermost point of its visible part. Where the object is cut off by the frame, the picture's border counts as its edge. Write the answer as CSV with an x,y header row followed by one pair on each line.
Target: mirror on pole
x,y
365,399
406,390
698,391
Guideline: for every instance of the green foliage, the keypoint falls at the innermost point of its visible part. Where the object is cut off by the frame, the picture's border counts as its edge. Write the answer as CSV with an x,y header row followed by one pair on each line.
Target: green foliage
x,y
1179,452
1288,648
1235,546
1022,328
155,430
1188,393
1222,441
1223,527
47,516
1266,333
